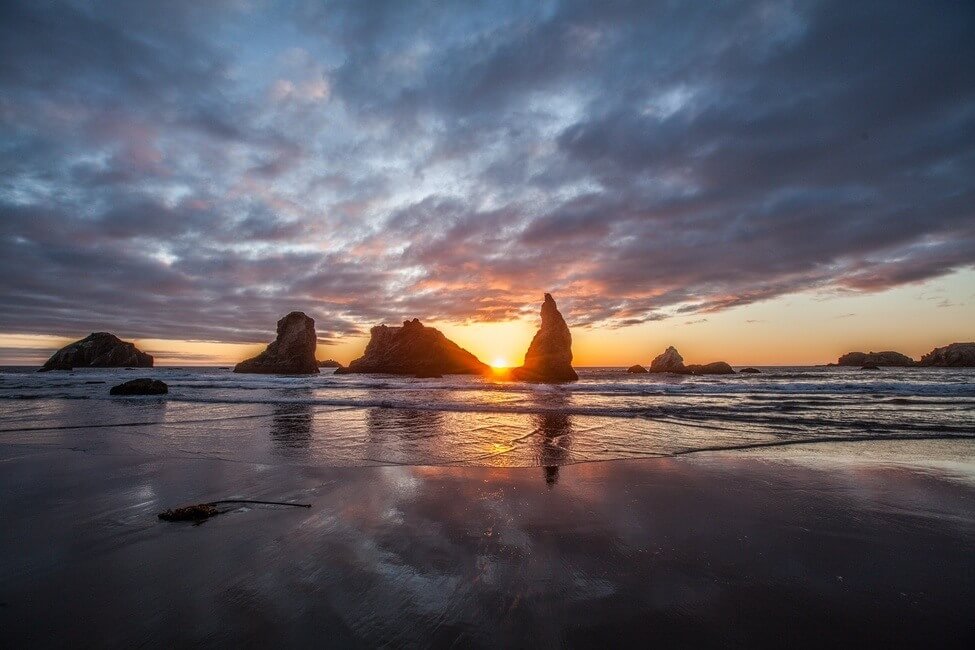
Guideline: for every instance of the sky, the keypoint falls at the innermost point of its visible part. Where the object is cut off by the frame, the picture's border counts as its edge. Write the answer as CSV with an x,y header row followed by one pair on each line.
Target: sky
x,y
761,182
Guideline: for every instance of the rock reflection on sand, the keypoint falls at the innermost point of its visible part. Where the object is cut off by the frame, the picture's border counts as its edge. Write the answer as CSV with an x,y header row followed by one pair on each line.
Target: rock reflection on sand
x,y
291,427
554,430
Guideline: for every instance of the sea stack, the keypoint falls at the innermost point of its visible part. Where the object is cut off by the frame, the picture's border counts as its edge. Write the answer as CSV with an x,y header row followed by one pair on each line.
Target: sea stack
x,y
886,358
956,355
670,361
549,357
713,368
413,349
291,353
98,350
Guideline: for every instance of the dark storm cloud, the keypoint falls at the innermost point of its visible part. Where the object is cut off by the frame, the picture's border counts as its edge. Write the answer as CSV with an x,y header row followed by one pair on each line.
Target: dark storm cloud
x,y
195,170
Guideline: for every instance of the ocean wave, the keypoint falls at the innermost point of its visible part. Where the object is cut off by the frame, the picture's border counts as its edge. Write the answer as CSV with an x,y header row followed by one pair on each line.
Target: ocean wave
x,y
686,415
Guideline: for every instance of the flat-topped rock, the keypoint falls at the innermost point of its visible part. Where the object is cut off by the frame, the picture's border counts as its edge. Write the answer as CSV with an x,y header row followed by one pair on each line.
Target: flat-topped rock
x,y
750,371
98,350
885,358
956,355
329,363
413,349
140,387
291,353
714,368
549,356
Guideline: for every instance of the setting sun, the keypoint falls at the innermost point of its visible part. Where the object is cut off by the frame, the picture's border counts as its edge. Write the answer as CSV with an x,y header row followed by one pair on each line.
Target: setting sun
x,y
499,363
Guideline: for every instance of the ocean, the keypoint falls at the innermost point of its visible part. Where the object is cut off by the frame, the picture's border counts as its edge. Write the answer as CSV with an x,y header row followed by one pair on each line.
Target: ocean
x,y
359,420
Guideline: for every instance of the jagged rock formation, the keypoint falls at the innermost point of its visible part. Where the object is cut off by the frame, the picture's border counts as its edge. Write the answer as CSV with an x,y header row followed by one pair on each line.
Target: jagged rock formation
x,y
329,363
886,358
140,387
636,370
413,349
669,361
98,350
956,355
549,357
715,368
291,353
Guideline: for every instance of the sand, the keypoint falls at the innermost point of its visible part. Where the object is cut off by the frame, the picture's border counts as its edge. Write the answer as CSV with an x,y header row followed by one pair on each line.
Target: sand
x,y
835,545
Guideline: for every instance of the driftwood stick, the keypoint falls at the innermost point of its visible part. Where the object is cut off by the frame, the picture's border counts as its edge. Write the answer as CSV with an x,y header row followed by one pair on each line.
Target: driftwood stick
x,y
267,503
203,511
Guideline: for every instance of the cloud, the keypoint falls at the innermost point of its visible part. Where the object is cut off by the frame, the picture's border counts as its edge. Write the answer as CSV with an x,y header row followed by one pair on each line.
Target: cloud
x,y
188,172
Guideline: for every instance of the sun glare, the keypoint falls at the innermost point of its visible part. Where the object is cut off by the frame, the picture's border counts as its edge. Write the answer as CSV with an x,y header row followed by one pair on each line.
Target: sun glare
x,y
499,363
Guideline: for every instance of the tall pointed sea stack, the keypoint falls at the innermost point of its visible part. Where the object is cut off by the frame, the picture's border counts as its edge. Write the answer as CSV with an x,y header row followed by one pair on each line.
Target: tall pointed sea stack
x,y
291,353
549,357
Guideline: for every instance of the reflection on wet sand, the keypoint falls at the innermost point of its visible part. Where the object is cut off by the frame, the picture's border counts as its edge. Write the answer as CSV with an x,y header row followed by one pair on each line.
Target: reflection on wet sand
x,y
291,427
408,424
398,435
555,436
717,552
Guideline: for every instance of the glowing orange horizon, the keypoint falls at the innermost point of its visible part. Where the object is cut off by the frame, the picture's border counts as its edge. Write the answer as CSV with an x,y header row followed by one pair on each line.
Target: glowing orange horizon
x,y
802,329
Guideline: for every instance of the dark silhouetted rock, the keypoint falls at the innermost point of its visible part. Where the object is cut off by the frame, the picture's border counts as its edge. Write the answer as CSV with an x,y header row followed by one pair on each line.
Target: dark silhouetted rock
x,y
715,368
870,366
669,361
291,353
956,355
750,371
140,387
636,370
549,357
887,358
98,350
329,363
413,349
198,512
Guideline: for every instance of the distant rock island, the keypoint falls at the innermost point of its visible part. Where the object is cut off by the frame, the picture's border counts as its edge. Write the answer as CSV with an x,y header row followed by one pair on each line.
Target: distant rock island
x,y
880,359
413,349
291,353
549,357
636,370
956,355
329,363
98,350
670,361
713,368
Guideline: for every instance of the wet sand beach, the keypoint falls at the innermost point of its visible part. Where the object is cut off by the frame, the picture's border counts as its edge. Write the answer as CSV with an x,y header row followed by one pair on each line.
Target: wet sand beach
x,y
866,543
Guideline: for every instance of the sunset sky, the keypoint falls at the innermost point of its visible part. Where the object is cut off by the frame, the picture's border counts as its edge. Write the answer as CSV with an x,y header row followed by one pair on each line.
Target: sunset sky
x,y
761,182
